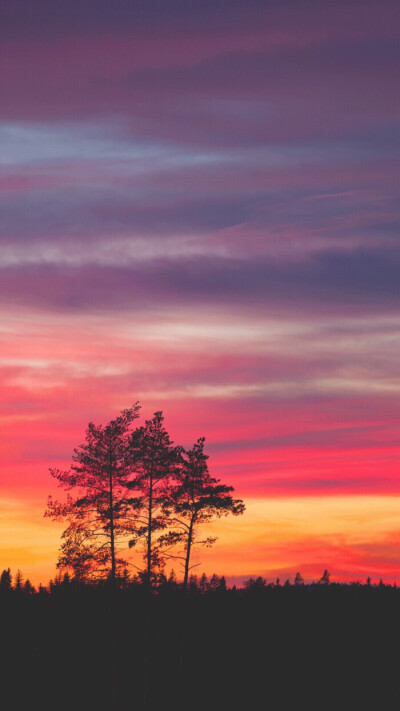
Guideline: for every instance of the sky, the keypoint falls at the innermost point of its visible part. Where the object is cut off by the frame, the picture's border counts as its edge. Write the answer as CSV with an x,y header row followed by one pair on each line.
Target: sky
x,y
199,210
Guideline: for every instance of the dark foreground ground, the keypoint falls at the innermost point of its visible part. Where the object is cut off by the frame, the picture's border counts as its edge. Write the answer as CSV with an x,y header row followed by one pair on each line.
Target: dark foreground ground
x,y
318,646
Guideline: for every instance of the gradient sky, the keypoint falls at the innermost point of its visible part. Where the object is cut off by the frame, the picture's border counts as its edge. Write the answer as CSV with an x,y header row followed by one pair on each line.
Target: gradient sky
x,y
200,211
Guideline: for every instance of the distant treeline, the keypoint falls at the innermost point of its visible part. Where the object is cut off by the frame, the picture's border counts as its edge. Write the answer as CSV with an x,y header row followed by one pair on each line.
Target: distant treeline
x,y
197,584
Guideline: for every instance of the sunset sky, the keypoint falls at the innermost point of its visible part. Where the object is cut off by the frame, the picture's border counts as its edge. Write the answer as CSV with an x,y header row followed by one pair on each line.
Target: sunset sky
x,y
200,211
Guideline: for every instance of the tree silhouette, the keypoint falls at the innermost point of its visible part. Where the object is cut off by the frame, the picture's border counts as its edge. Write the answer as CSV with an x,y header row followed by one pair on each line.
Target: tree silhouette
x,y
255,585
18,582
99,515
6,580
196,499
153,459
325,579
28,588
203,584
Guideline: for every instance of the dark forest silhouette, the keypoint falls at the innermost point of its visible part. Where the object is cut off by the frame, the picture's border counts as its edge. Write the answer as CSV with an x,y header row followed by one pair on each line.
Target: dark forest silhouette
x,y
264,644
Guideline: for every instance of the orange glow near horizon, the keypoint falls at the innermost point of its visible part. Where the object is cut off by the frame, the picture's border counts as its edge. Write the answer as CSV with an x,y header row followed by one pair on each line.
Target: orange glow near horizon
x,y
353,536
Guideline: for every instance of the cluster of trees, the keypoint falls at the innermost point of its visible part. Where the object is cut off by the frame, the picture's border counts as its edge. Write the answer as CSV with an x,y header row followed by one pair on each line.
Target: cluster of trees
x,y
130,486
298,580
16,583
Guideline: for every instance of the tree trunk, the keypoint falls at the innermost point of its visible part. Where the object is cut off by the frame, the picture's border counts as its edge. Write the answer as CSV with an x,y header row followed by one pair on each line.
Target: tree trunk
x,y
147,601
187,561
113,597
112,536
149,533
181,647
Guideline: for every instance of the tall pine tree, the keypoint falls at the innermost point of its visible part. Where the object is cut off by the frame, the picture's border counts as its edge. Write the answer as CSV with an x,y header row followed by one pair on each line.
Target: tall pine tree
x,y
97,512
194,500
154,461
